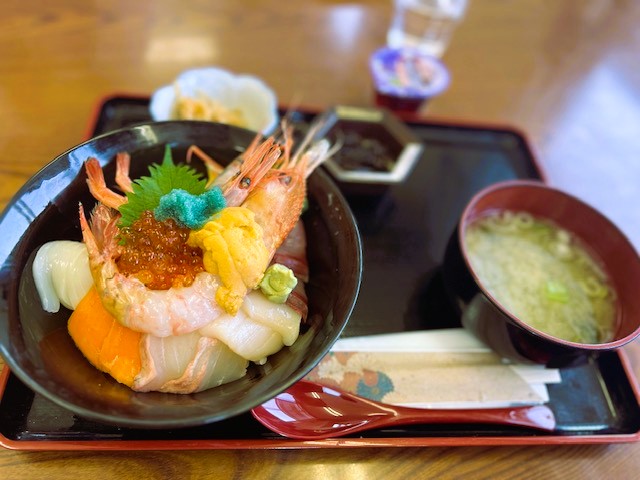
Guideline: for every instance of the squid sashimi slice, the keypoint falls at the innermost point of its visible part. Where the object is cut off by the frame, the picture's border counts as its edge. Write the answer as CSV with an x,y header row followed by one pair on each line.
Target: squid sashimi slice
x,y
245,337
186,364
220,365
61,274
278,317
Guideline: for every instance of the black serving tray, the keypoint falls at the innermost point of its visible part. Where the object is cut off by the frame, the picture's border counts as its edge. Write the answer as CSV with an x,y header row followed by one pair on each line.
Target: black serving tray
x,y
404,231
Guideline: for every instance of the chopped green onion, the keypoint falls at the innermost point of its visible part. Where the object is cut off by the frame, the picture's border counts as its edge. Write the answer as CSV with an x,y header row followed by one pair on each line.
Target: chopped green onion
x,y
556,291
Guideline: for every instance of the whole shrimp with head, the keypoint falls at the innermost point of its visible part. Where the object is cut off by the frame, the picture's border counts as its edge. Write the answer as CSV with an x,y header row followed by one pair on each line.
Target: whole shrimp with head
x,y
245,213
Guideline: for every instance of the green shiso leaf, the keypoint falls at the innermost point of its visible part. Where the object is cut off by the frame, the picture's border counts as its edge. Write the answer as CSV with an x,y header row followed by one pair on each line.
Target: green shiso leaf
x,y
162,179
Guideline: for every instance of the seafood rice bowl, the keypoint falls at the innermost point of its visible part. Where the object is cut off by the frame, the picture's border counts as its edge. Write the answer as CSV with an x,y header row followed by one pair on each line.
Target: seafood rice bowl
x,y
176,273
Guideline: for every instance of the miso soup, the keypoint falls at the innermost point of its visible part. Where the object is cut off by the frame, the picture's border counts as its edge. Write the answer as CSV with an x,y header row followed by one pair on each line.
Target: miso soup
x,y
543,276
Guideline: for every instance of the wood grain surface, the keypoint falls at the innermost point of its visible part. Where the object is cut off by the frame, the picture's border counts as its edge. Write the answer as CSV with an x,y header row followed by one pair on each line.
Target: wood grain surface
x,y
563,71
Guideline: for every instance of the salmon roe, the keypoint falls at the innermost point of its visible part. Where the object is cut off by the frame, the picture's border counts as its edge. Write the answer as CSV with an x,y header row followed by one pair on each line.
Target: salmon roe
x,y
157,253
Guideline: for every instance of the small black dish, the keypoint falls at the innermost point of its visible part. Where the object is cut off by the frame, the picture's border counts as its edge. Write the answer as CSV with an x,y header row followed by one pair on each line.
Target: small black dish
x,y
377,150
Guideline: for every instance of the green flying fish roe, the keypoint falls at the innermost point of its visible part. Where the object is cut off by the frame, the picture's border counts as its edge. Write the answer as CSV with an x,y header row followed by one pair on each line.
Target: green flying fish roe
x,y
188,210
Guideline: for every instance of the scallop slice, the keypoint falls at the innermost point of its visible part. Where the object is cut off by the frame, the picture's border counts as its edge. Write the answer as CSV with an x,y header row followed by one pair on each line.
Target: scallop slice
x,y
186,364
245,337
278,317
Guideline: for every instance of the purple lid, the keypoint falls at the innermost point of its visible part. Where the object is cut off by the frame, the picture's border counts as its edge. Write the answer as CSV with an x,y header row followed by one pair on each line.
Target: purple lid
x,y
408,72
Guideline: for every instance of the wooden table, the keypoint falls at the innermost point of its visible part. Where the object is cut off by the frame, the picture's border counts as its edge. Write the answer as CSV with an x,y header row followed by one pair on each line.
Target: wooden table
x,y
564,71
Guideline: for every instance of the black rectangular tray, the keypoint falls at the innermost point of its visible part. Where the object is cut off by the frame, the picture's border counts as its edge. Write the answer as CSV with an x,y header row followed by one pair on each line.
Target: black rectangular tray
x,y
404,232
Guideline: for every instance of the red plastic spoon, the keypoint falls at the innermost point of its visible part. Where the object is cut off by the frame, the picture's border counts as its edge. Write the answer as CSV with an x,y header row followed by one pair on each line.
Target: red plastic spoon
x,y
309,411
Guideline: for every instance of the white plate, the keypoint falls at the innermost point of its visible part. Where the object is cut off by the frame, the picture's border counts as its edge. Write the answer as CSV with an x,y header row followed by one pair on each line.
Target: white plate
x,y
248,94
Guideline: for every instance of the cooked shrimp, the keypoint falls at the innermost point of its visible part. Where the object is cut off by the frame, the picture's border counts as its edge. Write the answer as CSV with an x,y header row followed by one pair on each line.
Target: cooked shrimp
x,y
159,312
216,173
273,206
275,196
253,169
235,181
278,198
98,186
214,169
123,161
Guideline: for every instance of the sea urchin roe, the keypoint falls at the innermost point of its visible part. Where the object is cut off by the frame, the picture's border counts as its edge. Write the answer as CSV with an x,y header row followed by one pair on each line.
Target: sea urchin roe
x,y
235,251
157,253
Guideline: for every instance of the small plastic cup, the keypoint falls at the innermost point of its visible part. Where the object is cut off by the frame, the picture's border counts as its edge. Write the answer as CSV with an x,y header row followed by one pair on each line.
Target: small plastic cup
x,y
405,78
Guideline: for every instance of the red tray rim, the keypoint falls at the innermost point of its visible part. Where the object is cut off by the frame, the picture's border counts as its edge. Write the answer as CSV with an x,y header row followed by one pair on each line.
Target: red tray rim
x,y
285,443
